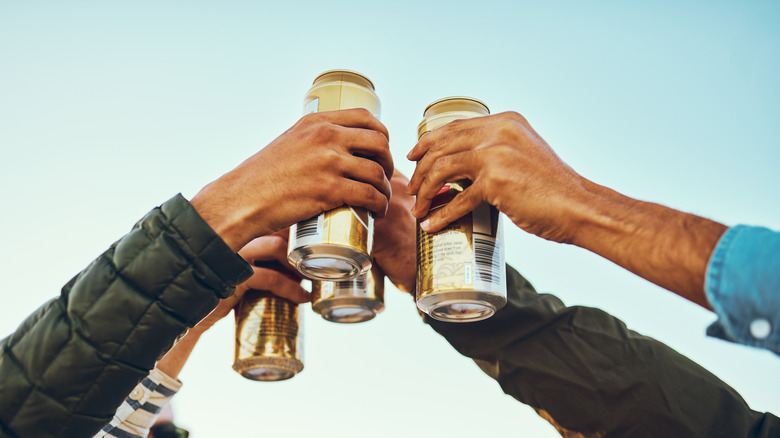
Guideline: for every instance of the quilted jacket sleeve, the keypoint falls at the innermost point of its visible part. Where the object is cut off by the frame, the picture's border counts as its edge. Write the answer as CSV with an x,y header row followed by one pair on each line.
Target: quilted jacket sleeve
x,y
585,372
67,368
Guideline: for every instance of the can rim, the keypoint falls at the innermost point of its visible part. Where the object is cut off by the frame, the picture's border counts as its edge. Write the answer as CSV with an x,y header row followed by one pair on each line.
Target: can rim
x,y
342,70
444,99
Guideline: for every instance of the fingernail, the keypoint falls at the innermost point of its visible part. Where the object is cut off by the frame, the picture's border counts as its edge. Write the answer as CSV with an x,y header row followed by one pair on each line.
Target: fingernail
x,y
425,224
409,155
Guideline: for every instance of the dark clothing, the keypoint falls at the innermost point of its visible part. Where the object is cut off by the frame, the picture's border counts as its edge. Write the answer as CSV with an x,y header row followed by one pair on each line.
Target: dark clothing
x,y
68,367
585,372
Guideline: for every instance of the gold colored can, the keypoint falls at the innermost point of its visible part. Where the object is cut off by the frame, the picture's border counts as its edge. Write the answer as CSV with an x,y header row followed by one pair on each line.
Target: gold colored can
x,y
461,270
350,301
269,339
335,245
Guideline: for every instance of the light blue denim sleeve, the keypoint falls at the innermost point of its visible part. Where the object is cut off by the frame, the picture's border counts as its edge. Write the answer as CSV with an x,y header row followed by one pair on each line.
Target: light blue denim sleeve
x,y
743,287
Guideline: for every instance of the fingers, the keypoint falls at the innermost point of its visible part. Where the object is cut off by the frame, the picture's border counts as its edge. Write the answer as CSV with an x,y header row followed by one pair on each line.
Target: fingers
x,y
368,144
280,284
464,203
352,118
367,171
266,248
443,146
447,168
360,133
429,139
272,271
358,194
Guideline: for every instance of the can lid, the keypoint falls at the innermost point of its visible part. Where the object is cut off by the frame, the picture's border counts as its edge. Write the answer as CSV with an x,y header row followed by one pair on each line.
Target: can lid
x,y
445,99
338,70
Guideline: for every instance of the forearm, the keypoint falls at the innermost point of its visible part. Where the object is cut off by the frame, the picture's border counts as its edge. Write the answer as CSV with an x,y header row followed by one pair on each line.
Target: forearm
x,y
667,247
173,362
78,357
583,370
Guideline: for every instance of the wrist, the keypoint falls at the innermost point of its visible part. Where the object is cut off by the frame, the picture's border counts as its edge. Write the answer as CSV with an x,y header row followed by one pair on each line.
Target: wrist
x,y
231,222
600,215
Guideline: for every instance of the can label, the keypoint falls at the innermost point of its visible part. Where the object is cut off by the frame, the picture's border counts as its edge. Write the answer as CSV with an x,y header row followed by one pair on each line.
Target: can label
x,y
467,254
312,106
357,287
345,226
267,326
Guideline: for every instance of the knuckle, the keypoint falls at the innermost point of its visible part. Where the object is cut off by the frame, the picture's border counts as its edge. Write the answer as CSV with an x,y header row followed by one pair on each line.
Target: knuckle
x,y
327,204
320,131
439,167
310,119
329,158
377,173
369,193
513,115
362,112
278,245
381,141
375,198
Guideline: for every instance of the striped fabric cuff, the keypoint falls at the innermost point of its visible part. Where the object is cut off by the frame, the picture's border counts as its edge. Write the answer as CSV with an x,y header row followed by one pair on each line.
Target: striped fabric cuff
x,y
141,408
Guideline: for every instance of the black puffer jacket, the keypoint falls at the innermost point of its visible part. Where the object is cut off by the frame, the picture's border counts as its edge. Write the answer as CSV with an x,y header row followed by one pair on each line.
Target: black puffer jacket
x,y
67,368
585,372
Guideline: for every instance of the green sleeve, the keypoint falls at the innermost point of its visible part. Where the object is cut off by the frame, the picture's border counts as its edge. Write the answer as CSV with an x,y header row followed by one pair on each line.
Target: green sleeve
x,y
70,364
585,372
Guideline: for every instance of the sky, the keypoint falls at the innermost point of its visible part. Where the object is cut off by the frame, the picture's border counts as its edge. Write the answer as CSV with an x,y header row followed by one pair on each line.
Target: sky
x,y
108,109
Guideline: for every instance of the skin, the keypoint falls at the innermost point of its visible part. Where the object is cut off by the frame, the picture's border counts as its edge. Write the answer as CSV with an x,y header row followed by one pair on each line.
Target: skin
x,y
395,237
324,161
394,252
284,283
513,168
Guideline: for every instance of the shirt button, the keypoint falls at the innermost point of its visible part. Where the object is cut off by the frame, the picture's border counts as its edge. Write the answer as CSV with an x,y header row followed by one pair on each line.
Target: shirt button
x,y
760,328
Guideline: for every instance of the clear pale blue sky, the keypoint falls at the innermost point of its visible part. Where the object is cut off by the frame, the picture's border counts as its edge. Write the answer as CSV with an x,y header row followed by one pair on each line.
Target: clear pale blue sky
x,y
110,108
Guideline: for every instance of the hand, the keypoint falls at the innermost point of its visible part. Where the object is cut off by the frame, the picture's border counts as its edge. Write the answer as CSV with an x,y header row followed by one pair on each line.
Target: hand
x,y
510,166
395,238
283,281
324,161
272,272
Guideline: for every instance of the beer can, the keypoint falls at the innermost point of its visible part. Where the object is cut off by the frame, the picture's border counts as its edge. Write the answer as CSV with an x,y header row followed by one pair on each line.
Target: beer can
x,y
461,271
269,339
350,301
335,245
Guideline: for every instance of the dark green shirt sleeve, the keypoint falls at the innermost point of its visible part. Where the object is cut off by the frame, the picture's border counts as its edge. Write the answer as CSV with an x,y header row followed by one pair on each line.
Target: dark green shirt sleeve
x,y
70,364
585,372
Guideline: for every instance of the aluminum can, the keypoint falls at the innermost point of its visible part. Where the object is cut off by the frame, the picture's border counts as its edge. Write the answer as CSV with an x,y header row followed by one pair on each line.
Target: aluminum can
x,y
269,338
336,245
461,270
350,301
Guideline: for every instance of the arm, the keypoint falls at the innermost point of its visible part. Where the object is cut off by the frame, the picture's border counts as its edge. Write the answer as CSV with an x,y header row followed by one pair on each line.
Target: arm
x,y
140,409
734,273
513,168
76,358
585,372
285,284
578,367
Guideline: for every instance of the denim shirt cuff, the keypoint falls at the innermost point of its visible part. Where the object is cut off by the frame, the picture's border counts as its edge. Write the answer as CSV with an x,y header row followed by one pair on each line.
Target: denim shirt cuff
x,y
742,284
